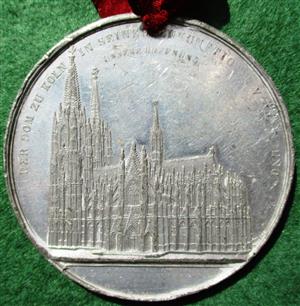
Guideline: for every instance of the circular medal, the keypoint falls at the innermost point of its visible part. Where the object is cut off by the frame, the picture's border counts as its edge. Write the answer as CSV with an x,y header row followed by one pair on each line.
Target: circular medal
x,y
148,168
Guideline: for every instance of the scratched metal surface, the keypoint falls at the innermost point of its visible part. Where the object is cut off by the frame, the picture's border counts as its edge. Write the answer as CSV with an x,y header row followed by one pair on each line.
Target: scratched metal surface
x,y
210,92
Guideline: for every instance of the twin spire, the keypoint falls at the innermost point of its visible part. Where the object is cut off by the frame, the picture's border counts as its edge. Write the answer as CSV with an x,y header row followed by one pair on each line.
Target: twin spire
x,y
72,93
72,98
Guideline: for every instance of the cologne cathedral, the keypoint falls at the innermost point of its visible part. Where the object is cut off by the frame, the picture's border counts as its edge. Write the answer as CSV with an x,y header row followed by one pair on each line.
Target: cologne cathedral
x,y
142,203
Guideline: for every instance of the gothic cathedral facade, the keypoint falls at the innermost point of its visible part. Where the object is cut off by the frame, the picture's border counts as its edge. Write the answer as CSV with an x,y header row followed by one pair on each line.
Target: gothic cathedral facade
x,y
143,203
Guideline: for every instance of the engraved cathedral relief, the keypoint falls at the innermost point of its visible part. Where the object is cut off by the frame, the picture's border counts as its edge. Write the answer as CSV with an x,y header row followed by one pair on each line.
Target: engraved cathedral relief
x,y
143,204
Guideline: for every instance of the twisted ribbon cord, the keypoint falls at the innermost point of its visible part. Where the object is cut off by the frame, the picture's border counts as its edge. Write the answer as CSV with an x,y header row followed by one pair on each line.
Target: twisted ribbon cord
x,y
155,14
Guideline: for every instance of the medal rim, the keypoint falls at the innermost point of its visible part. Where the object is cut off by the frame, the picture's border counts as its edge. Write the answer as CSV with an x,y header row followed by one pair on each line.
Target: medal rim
x,y
58,49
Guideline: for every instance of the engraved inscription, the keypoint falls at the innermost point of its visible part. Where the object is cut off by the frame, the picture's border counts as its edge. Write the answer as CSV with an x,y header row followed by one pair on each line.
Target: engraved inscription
x,y
55,75
86,49
23,154
23,161
144,204
203,44
27,127
272,122
37,101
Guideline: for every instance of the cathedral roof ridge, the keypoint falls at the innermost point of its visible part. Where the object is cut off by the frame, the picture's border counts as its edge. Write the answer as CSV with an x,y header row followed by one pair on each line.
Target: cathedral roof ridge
x,y
188,158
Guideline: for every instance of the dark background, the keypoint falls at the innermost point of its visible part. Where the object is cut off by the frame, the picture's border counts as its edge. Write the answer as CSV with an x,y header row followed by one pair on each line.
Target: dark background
x,y
269,30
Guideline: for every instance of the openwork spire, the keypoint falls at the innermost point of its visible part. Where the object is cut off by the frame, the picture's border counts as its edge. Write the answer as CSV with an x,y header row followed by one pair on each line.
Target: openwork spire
x,y
156,138
95,101
155,116
72,94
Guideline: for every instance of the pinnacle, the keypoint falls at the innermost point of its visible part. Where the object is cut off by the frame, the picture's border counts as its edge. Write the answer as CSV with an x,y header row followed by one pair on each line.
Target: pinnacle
x,y
122,154
72,50
95,73
133,146
143,153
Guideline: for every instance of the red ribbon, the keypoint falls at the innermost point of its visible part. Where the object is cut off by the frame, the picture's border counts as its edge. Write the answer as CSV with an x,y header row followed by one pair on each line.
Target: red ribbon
x,y
108,8
155,14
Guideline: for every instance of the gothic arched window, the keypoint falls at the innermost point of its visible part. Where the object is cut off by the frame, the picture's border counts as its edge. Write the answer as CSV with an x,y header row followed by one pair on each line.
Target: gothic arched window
x,y
131,238
132,194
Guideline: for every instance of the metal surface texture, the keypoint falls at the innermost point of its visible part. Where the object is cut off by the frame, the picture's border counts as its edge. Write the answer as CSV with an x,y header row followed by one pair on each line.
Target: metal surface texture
x,y
148,168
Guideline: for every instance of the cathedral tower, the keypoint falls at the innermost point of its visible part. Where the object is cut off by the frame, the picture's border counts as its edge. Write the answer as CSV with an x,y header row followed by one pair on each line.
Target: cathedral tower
x,y
65,215
102,142
156,139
